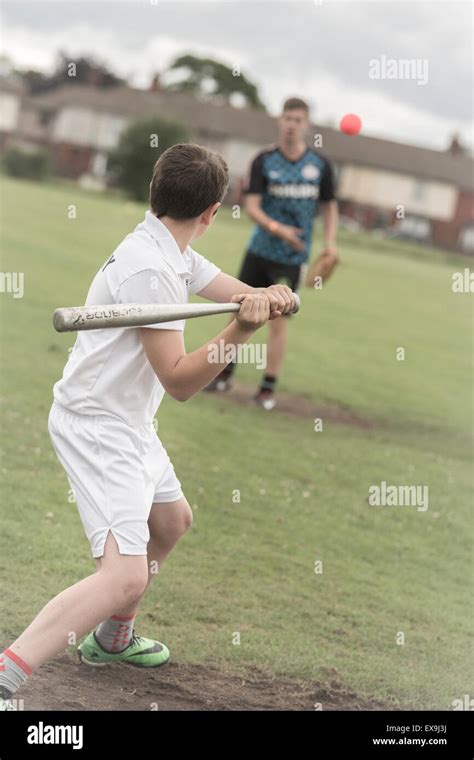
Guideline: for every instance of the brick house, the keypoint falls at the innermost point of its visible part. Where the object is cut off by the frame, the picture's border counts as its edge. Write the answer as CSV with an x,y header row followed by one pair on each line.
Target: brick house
x,y
427,193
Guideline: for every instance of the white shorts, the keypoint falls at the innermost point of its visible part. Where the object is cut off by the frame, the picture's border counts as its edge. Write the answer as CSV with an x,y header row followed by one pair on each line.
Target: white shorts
x,y
116,473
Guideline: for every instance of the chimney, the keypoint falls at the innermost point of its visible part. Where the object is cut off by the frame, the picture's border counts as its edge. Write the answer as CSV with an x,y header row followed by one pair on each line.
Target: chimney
x,y
155,85
456,148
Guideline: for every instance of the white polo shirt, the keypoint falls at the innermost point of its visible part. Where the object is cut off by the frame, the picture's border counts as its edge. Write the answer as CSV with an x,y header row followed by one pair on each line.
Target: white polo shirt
x,y
108,371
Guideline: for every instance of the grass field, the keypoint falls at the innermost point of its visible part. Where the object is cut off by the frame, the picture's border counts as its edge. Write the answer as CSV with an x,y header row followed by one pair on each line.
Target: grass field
x,y
250,567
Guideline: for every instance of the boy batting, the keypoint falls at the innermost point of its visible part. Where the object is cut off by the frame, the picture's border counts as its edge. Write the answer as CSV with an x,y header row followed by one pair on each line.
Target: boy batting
x,y
288,183
101,420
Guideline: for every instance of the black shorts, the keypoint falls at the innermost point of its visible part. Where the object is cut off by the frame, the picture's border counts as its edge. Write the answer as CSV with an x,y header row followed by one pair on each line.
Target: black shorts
x,y
261,273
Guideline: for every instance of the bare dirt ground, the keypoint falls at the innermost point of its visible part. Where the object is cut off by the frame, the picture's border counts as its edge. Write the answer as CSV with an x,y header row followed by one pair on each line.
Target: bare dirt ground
x,y
301,407
65,684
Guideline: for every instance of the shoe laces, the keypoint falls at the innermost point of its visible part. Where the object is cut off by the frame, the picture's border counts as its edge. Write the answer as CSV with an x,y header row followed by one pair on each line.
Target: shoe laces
x,y
136,639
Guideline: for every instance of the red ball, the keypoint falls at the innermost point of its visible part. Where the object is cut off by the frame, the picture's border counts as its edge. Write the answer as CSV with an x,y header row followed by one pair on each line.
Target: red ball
x,y
350,124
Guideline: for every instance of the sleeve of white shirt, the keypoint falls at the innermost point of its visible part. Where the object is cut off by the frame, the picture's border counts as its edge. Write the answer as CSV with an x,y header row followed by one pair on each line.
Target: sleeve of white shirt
x,y
202,271
152,286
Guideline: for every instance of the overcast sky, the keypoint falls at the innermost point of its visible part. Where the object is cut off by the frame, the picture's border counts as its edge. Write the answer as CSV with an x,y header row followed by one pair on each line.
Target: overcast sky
x,y
320,50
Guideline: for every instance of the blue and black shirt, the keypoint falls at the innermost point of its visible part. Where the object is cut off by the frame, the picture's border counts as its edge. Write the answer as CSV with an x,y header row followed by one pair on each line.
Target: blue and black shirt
x,y
291,192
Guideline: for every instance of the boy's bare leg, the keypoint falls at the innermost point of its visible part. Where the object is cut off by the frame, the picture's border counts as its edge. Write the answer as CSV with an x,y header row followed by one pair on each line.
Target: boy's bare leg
x,y
167,523
120,579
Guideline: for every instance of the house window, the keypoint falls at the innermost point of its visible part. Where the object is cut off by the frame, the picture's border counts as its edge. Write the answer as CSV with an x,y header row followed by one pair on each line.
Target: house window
x,y
419,191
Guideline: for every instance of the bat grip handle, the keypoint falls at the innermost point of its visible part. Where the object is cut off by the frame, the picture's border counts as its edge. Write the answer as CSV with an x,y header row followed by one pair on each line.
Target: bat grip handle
x,y
297,305
295,308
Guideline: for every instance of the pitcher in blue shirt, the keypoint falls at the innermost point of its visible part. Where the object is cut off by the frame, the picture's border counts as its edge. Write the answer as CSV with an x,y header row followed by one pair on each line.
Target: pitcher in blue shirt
x,y
288,183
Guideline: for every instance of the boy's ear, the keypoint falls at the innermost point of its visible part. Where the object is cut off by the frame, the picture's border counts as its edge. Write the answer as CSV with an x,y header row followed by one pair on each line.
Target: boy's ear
x,y
209,214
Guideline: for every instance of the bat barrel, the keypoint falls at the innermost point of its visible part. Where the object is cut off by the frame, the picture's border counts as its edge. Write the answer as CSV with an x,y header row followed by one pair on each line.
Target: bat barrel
x,y
72,318
60,321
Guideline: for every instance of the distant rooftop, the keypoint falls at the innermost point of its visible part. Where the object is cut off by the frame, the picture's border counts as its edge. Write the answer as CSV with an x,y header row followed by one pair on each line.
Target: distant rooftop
x,y
253,125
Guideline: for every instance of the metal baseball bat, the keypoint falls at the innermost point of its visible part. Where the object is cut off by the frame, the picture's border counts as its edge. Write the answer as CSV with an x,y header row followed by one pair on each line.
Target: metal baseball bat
x,y
72,318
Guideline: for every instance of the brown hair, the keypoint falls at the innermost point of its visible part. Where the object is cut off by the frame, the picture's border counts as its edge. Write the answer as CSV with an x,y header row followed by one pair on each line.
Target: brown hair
x,y
187,179
293,103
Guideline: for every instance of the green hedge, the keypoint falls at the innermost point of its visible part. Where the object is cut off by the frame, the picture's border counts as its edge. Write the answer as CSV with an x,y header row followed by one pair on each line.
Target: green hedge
x,y
27,165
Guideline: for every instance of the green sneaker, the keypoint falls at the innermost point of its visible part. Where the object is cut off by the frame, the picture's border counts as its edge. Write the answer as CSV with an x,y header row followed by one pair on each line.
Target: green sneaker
x,y
141,652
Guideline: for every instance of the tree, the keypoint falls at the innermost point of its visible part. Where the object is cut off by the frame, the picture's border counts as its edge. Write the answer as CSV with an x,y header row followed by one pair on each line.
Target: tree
x,y
140,145
209,79
71,70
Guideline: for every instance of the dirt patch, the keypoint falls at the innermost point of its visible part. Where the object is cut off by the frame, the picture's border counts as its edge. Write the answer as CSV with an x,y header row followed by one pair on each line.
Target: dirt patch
x,y
301,407
66,684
